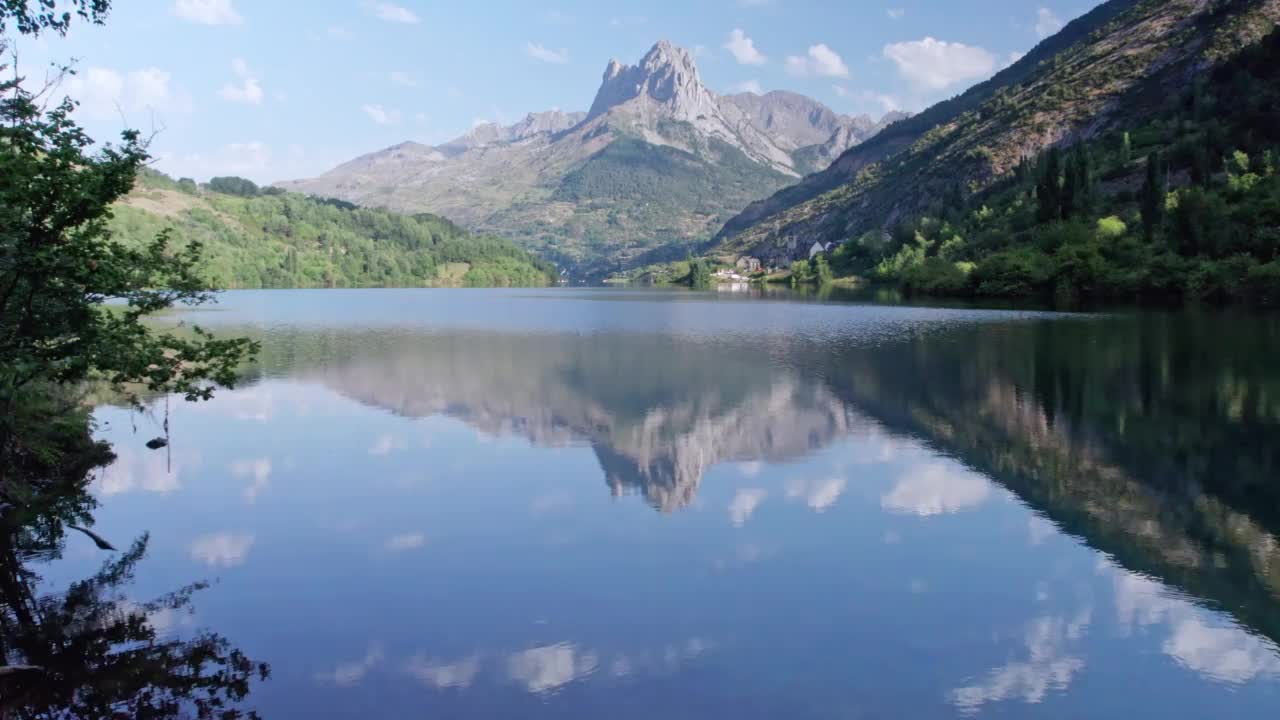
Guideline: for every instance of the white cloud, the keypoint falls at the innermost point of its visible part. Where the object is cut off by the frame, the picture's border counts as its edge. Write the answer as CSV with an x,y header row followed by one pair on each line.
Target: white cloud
x,y
1047,23
1223,654
163,620
338,32
393,13
456,674
744,503
821,61
824,494
821,495
896,13
545,54
889,103
1218,652
137,470
259,472
208,12
385,444
936,65
744,49
937,489
408,541
1049,667
1039,529
352,673
840,90
542,669
222,549
749,86
246,88
381,115
402,79
106,93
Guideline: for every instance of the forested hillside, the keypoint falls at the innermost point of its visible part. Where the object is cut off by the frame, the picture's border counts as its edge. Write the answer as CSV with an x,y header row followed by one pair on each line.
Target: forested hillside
x,y
263,237
1186,204
1134,157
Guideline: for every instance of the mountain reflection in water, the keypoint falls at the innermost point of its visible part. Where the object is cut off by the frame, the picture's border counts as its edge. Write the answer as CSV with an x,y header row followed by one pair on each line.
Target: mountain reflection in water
x,y
1147,439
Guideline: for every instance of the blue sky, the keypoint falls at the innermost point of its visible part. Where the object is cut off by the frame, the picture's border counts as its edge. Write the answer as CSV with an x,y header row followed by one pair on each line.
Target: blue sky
x,y
278,89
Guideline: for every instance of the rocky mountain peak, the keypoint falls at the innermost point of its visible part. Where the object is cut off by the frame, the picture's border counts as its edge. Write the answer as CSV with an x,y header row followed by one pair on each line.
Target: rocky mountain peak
x,y
667,75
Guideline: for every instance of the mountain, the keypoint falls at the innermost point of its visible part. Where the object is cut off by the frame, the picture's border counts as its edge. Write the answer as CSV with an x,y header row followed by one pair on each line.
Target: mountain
x,y
1109,70
811,132
256,237
654,167
533,125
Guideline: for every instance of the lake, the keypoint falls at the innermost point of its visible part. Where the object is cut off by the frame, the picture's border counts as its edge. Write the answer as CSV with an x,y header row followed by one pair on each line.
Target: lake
x,y
642,503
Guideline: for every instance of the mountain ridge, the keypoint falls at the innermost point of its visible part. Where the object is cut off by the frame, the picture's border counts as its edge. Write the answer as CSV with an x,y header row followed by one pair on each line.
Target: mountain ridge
x,y
548,183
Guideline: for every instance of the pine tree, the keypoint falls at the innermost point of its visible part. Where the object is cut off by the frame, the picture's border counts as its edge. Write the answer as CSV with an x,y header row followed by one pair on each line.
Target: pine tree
x,y
1077,187
1049,188
1151,198
1126,150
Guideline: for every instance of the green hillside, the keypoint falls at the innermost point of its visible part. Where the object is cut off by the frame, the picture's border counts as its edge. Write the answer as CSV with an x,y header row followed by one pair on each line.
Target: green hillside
x,y
955,208
262,237
1186,204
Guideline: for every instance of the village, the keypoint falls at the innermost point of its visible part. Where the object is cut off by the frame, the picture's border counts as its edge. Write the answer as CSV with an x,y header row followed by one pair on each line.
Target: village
x,y
746,268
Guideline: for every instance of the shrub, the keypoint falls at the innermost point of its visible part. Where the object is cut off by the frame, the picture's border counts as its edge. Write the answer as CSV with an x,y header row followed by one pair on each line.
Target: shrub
x,y
1019,271
935,276
1111,228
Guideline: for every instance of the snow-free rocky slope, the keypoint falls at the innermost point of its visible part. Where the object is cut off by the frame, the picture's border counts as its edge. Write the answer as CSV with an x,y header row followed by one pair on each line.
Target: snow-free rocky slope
x,y
655,167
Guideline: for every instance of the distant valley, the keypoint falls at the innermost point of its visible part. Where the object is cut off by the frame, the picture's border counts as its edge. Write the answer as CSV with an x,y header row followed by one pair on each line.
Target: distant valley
x,y
653,169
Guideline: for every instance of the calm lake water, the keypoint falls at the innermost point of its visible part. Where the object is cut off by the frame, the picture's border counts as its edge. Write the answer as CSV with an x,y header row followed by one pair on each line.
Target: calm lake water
x,y
640,504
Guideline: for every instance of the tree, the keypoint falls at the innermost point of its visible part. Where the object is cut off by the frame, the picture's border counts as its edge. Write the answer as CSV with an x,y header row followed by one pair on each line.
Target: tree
x,y
232,185
800,272
1077,187
90,652
1151,197
1126,150
822,270
699,274
72,304
1049,188
47,16
59,266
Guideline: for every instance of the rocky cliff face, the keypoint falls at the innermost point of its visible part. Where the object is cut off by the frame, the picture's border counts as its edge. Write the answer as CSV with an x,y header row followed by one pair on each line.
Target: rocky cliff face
x,y
717,153
667,76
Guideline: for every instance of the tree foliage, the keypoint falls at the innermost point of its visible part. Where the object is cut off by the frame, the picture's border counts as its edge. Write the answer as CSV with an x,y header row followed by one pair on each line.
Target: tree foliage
x,y
73,300
72,297
234,186
1200,218
288,240
30,17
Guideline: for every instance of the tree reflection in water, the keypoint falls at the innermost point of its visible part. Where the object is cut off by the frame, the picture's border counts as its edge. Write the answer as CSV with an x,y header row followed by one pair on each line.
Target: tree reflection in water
x,y
89,651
